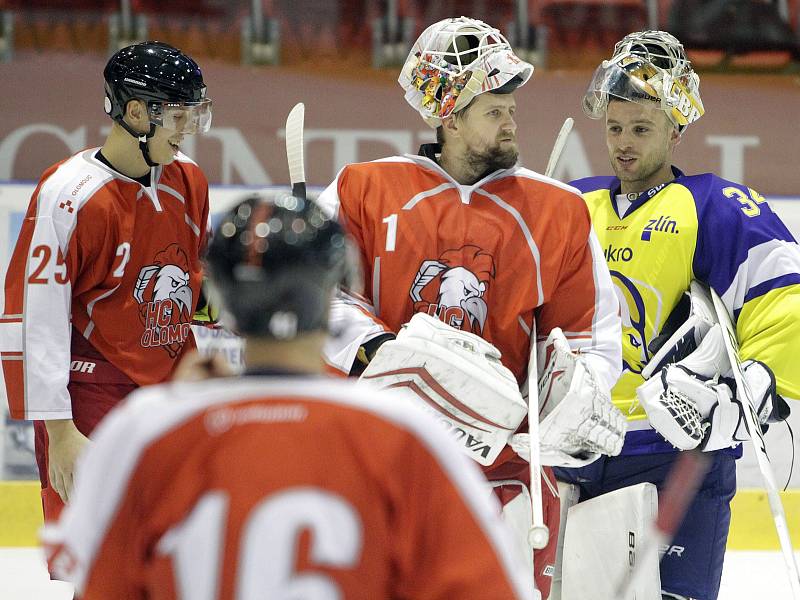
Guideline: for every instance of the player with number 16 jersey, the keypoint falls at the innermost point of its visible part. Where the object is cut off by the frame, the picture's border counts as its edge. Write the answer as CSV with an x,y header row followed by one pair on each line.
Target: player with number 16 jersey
x,y
280,483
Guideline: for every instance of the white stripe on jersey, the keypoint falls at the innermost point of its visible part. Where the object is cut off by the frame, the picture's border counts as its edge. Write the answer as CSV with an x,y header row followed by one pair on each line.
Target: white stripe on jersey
x,y
605,353
125,434
537,261
769,260
529,174
427,194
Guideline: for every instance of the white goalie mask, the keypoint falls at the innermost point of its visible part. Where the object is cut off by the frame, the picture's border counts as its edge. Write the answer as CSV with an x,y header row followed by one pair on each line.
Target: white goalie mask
x,y
651,69
455,60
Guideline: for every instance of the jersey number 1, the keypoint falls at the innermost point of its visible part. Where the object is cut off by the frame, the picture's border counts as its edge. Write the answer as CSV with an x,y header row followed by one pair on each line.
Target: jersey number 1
x,y
391,232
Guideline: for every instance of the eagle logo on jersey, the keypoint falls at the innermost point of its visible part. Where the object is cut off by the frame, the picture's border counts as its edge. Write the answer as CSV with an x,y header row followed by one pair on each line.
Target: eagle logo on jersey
x,y
165,300
452,287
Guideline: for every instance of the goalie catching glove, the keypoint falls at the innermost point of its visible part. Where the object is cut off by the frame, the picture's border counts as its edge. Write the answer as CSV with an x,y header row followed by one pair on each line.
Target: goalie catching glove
x,y
458,377
578,420
694,403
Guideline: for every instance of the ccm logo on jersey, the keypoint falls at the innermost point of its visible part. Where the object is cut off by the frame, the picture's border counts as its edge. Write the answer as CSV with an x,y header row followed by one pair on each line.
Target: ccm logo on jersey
x,y
662,223
618,254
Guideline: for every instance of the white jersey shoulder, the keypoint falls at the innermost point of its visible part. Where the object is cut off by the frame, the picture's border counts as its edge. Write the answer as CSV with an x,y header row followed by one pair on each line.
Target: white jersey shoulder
x,y
123,436
67,191
182,158
530,174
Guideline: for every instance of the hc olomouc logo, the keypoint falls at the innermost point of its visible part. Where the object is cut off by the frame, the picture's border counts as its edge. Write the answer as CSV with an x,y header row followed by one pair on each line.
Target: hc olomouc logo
x,y
165,300
452,287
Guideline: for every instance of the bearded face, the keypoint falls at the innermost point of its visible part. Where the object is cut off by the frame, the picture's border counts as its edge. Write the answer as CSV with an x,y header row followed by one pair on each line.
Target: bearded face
x,y
489,133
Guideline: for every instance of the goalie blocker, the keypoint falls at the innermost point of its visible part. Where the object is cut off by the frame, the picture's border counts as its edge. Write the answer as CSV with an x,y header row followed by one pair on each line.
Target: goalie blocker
x,y
459,378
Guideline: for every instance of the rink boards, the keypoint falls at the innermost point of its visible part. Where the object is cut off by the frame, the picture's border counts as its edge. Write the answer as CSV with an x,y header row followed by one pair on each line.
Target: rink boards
x,y
20,507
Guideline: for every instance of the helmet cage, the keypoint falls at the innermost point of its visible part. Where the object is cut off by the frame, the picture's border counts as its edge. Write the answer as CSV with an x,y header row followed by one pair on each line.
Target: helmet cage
x,y
455,60
651,69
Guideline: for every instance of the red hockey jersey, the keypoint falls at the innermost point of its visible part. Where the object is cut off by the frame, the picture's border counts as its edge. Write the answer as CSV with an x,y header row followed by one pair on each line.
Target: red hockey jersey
x,y
484,258
277,487
115,260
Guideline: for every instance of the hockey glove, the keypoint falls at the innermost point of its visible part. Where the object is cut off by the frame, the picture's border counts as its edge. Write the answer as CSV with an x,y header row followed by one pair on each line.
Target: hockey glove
x,y
578,420
207,312
693,402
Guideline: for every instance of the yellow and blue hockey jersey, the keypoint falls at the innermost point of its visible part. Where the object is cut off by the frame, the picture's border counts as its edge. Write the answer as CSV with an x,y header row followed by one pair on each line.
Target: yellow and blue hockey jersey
x,y
706,228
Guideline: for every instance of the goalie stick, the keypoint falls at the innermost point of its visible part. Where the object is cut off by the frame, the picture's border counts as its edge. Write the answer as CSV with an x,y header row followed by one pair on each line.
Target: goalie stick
x,y
756,437
539,534
558,147
294,150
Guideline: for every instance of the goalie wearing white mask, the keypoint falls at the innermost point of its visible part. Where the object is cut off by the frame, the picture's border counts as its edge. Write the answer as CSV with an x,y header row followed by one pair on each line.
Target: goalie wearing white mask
x,y
669,236
488,251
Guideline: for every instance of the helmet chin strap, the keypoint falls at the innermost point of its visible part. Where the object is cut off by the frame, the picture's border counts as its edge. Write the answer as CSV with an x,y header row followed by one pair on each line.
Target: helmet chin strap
x,y
143,139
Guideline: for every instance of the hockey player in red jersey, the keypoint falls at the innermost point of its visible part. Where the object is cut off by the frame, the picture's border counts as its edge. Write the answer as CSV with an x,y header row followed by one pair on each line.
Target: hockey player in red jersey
x,y
282,482
464,234
105,276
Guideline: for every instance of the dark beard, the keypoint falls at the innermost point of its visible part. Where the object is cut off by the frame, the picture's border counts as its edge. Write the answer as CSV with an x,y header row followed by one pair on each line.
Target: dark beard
x,y
493,159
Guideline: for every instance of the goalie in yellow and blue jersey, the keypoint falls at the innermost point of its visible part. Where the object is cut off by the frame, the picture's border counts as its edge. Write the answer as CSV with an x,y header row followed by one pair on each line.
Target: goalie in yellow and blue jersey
x,y
661,229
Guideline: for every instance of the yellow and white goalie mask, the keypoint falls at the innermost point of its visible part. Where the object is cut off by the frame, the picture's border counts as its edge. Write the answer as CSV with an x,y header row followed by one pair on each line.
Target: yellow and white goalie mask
x,y
455,60
651,69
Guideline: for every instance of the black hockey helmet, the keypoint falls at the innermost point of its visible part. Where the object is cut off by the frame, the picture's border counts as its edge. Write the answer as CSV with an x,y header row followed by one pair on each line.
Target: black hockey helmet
x,y
273,265
168,80
154,72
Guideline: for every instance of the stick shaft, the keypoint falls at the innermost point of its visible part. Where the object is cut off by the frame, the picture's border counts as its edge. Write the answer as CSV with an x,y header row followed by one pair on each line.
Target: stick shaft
x,y
759,446
558,147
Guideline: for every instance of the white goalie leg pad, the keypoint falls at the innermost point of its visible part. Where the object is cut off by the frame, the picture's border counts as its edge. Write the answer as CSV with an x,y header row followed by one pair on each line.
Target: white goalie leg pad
x,y
458,377
517,515
568,495
578,420
602,542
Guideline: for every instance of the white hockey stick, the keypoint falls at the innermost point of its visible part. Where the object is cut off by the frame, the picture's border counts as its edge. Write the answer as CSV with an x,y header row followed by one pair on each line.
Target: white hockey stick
x,y
294,150
558,147
539,534
756,437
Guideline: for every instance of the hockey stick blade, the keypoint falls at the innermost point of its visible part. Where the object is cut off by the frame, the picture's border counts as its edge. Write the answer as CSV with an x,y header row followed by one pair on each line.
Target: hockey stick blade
x,y
558,147
294,149
756,437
